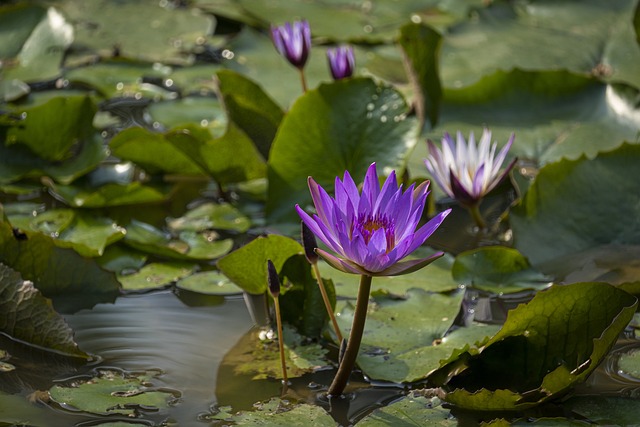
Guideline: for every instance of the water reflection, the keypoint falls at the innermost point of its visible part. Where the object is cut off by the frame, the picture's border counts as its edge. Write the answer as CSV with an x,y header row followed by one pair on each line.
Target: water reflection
x,y
157,331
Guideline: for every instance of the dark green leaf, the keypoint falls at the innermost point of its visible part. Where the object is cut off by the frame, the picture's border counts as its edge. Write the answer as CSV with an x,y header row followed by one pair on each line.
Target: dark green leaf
x,y
421,46
544,348
247,266
156,275
50,130
587,202
29,317
497,269
217,216
152,151
411,411
53,270
602,410
249,107
342,126
229,159
111,194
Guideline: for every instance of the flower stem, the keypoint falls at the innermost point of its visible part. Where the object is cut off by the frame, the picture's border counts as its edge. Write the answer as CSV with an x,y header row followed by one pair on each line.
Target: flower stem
x,y
327,303
285,380
474,210
355,337
303,79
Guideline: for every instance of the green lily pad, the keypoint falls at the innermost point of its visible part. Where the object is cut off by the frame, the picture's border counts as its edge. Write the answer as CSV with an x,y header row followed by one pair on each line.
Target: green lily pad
x,y
114,392
189,245
247,266
209,283
604,410
399,330
497,269
421,46
231,158
570,198
165,34
51,129
30,318
110,194
629,363
218,216
204,111
36,38
544,348
347,125
276,413
152,151
250,108
581,37
156,275
410,411
54,270
121,259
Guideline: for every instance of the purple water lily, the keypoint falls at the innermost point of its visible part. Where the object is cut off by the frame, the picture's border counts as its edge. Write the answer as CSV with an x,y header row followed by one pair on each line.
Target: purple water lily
x,y
293,41
466,171
342,62
373,231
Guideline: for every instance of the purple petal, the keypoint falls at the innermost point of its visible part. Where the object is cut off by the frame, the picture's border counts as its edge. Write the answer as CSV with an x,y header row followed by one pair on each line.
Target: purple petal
x,y
410,266
427,230
459,192
340,264
478,181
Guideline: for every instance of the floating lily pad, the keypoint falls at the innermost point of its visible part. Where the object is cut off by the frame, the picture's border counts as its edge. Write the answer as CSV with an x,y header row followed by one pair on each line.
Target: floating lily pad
x,y
189,245
629,363
121,259
210,283
218,216
114,392
17,410
411,411
156,275
497,269
603,410
276,413
570,198
53,269
111,194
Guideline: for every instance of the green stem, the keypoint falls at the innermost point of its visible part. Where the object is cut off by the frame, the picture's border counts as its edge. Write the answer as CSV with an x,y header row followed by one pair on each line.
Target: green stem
x,y
303,80
285,380
327,303
474,210
355,337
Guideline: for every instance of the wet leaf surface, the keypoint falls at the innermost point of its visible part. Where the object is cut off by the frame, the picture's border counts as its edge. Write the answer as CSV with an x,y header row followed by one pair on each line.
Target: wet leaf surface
x,y
546,346
114,392
411,411
29,317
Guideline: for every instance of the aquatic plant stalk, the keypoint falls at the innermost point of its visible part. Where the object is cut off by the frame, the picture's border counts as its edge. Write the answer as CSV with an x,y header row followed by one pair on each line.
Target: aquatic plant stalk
x,y
355,338
274,288
310,245
474,210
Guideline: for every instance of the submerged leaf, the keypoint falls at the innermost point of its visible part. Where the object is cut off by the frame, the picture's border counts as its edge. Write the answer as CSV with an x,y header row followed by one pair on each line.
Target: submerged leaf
x,y
544,348
29,317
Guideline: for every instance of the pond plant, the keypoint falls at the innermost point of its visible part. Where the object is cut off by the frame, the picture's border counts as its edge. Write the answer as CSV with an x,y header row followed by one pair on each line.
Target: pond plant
x,y
157,162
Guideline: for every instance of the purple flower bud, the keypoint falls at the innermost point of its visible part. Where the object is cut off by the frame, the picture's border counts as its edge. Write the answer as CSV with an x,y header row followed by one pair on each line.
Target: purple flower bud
x,y
310,244
342,62
272,279
293,41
